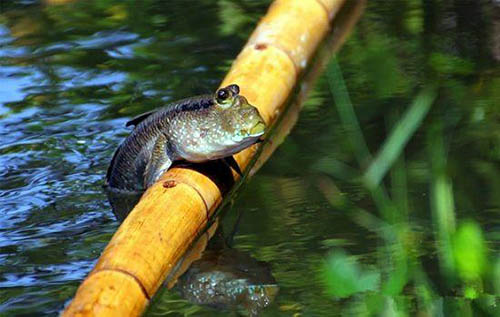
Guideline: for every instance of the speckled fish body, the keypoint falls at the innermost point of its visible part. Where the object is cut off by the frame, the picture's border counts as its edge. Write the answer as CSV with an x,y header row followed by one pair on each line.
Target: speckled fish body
x,y
195,129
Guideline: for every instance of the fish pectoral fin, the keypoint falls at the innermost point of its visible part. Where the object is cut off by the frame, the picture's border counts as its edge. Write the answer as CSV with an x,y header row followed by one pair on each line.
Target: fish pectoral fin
x,y
137,119
159,162
231,162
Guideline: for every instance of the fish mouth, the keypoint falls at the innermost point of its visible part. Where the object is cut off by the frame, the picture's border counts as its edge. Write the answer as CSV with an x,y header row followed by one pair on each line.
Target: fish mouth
x,y
258,129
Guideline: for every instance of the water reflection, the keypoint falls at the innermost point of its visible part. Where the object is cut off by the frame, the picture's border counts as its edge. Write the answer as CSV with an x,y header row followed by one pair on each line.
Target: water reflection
x,y
227,279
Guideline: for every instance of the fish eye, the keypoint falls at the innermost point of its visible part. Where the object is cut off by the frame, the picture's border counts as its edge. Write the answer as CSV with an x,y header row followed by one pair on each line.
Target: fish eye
x,y
222,95
235,89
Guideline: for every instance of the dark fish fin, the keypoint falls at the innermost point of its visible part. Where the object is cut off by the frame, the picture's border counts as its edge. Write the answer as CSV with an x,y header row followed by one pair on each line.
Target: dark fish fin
x,y
136,120
158,163
110,167
231,162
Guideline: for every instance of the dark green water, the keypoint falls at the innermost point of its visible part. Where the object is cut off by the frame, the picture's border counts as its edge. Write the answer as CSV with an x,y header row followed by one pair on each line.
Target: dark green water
x,y
72,75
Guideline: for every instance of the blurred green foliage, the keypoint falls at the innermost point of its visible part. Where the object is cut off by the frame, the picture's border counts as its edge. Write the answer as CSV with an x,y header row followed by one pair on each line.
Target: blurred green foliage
x,y
430,137
469,252
344,277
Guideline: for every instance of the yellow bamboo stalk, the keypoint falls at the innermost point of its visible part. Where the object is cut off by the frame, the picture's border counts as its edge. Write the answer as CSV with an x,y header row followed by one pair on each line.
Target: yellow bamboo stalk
x,y
171,214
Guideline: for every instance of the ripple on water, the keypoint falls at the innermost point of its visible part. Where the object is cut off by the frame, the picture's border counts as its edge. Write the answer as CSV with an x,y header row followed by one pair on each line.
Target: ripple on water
x,y
53,211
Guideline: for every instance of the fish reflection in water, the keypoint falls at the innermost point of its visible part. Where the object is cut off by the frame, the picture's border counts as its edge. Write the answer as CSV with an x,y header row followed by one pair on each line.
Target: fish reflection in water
x,y
229,279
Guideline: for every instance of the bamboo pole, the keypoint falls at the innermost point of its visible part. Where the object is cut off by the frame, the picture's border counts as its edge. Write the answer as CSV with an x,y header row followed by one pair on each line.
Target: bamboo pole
x,y
172,213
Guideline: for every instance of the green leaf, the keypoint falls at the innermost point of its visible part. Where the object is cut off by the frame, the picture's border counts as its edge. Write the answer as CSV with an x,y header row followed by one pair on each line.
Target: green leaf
x,y
343,276
469,251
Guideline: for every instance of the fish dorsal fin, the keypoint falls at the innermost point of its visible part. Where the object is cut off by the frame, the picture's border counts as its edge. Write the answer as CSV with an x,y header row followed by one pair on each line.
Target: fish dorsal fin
x,y
138,119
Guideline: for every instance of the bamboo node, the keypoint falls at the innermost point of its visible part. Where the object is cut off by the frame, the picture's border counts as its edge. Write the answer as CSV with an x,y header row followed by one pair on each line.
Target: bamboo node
x,y
260,46
135,278
169,183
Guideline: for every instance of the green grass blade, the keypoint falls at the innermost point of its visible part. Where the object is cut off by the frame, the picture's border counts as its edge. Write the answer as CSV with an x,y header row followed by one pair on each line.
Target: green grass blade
x,y
398,173
352,127
347,115
442,200
399,137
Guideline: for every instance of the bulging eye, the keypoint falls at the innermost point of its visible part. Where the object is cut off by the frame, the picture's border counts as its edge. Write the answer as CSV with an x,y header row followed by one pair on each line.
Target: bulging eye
x,y
235,89
222,95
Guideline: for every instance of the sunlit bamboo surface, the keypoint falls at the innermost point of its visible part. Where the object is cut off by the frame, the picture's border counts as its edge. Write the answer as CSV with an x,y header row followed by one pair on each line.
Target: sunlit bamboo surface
x,y
158,231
